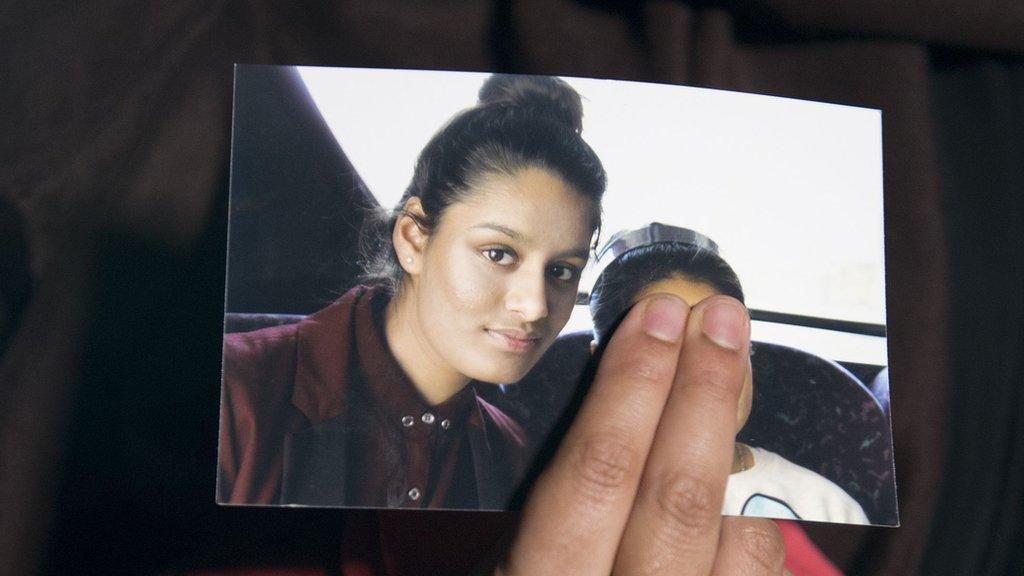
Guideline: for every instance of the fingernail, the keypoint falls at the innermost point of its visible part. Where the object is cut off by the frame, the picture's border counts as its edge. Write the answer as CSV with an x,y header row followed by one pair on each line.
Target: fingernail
x,y
725,324
665,318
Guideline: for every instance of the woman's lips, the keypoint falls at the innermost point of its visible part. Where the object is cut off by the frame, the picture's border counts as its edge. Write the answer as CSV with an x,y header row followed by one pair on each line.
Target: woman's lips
x,y
516,341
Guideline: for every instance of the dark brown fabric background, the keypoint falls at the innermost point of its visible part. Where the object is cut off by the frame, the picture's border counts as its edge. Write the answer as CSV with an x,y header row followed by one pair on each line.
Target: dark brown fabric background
x,y
115,119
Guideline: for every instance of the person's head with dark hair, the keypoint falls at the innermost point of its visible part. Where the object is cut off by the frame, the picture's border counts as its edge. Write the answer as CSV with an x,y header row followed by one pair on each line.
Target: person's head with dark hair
x,y
519,123
659,258
647,256
482,254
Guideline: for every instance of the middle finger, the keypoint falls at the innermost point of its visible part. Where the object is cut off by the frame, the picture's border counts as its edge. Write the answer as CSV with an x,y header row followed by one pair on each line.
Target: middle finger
x,y
675,523
574,518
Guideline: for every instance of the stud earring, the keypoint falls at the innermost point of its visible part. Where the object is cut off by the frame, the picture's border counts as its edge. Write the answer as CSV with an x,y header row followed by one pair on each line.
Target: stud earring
x,y
408,259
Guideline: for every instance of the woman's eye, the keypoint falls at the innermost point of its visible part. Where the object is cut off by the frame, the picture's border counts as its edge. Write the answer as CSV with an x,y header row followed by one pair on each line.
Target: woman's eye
x,y
563,273
499,256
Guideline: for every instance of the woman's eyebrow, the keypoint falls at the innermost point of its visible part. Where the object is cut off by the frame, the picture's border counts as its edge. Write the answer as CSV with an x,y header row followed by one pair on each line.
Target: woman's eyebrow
x,y
513,234
581,253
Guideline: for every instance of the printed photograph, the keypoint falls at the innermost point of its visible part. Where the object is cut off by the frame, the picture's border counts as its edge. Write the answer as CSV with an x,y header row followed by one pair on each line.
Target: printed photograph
x,y
424,268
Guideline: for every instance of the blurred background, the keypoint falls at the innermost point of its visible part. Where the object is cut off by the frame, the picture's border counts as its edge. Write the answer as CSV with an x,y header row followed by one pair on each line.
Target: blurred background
x,y
116,119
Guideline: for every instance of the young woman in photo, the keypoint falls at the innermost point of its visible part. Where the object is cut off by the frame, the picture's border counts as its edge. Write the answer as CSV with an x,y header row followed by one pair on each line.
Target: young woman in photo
x,y
370,402
662,259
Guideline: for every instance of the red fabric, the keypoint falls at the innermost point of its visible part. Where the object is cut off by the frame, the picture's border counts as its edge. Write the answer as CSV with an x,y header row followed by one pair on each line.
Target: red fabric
x,y
430,454
802,556
286,379
274,386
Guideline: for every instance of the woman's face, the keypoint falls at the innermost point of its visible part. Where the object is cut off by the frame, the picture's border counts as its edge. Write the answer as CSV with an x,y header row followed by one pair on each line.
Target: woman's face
x,y
499,273
693,292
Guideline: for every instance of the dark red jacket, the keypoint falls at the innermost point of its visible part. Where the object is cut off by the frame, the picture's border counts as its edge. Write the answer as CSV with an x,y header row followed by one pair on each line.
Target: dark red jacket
x,y
284,414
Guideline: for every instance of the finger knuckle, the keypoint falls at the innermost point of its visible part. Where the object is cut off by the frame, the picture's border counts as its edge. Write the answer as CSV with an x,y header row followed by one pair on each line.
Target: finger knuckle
x,y
718,384
686,502
762,542
604,464
649,370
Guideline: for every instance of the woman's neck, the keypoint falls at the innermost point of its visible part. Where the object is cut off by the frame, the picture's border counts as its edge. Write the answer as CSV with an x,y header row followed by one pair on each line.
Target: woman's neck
x,y
434,378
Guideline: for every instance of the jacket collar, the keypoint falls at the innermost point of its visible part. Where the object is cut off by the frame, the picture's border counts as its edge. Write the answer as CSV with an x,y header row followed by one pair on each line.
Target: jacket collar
x,y
326,345
324,349
331,340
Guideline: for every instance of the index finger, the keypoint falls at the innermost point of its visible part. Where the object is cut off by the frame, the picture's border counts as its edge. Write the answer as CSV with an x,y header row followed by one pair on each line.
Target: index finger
x,y
574,518
675,526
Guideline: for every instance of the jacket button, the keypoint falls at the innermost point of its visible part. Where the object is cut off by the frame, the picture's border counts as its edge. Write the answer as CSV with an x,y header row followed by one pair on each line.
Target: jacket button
x,y
408,421
427,418
446,424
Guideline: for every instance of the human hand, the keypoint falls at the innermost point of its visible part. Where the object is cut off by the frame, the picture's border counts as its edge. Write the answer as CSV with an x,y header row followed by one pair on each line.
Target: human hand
x,y
636,486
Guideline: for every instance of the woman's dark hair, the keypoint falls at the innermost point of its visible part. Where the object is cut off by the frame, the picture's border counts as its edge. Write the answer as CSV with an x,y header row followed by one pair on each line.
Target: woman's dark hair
x,y
632,271
519,122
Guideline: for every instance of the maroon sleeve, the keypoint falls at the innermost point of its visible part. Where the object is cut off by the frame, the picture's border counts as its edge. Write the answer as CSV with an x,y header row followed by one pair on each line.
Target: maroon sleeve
x,y
256,413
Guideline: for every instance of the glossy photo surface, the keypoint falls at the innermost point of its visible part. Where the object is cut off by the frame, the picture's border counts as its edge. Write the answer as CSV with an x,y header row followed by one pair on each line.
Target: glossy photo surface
x,y
423,266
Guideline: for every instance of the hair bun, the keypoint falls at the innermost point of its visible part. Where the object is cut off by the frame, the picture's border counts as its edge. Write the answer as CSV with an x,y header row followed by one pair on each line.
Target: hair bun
x,y
547,95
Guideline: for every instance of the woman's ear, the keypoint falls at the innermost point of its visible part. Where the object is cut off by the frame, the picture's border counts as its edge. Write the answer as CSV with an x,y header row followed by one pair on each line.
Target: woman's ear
x,y
410,236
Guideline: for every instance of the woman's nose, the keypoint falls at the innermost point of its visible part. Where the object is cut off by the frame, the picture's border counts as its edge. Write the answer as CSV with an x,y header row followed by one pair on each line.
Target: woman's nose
x,y
527,296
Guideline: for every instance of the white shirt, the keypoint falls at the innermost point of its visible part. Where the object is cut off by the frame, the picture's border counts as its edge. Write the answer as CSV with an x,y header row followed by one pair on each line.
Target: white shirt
x,y
777,488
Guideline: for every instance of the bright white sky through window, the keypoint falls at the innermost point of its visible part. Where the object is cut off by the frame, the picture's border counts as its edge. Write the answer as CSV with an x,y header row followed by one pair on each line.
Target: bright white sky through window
x,y
791,190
